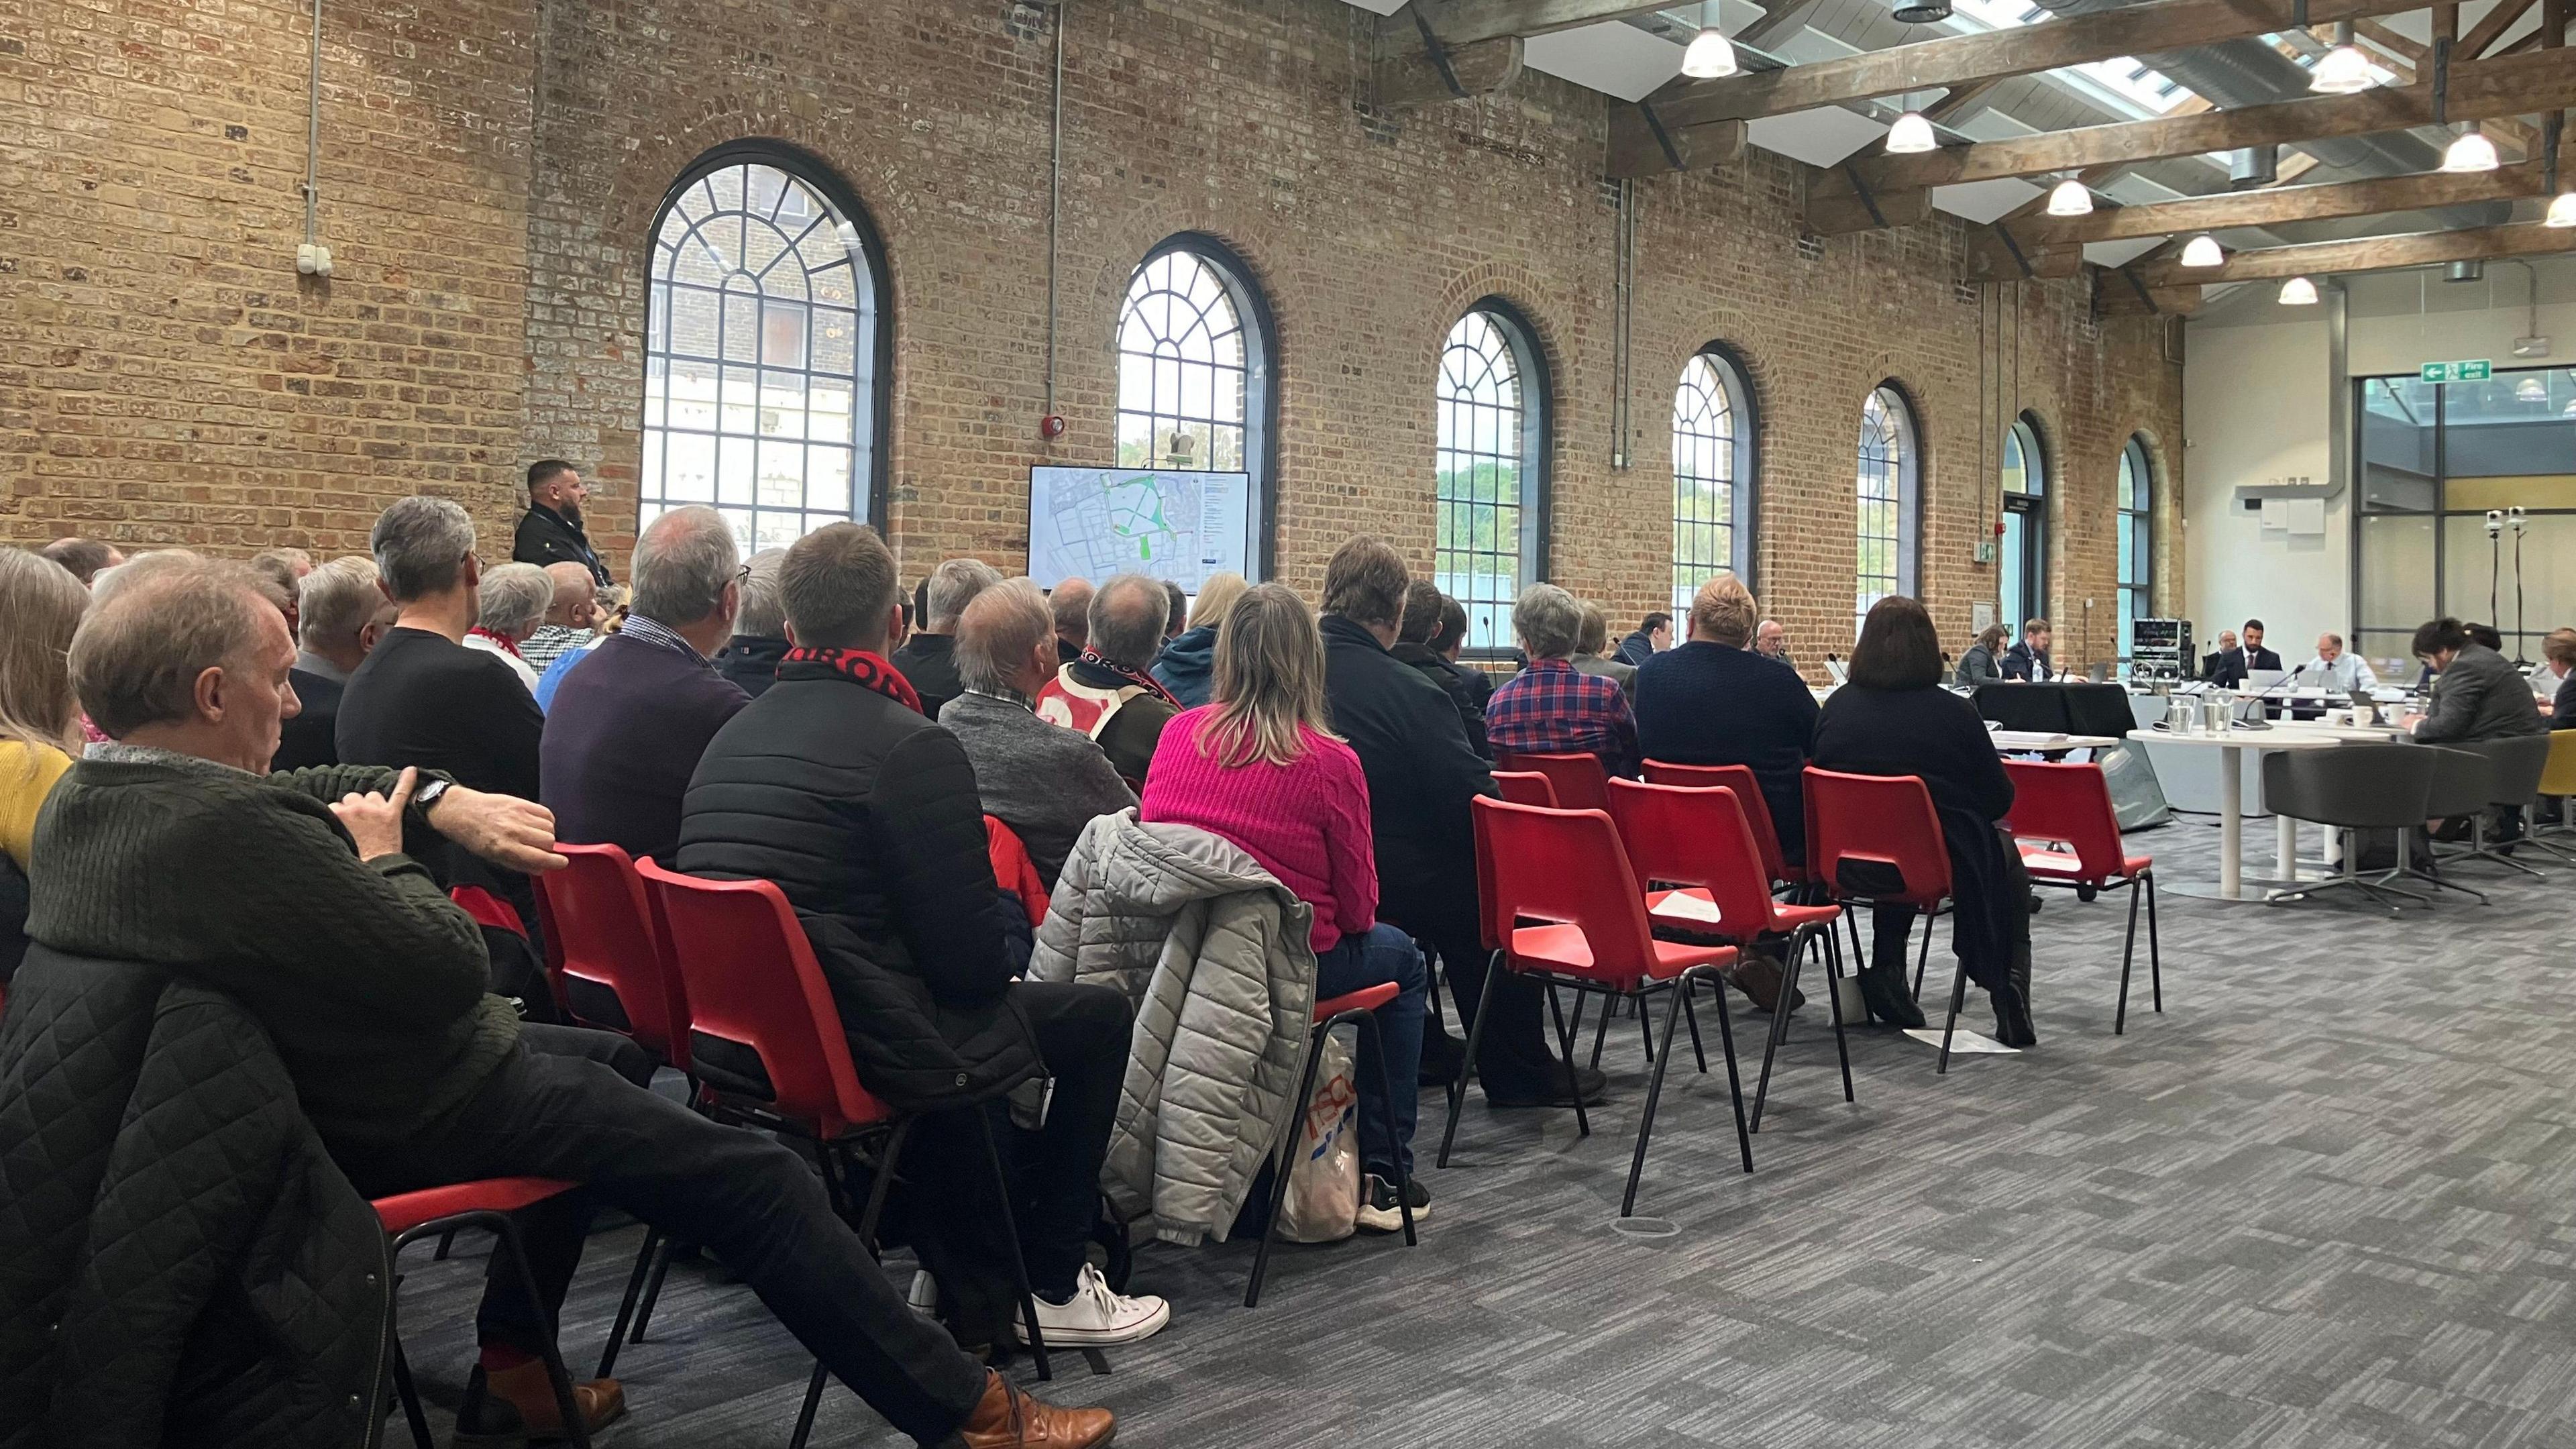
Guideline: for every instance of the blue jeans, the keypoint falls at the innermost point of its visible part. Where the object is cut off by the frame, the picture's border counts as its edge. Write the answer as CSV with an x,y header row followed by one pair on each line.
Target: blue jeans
x,y
1373,958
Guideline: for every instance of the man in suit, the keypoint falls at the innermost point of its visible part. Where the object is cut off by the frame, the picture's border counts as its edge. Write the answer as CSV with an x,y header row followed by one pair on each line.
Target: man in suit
x,y
339,613
550,532
2028,660
2217,660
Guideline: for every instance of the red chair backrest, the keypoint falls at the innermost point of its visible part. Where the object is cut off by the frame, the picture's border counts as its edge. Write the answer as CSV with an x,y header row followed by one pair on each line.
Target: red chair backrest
x,y
1012,867
1526,787
1748,797
1565,866
1579,781
600,929
2069,803
752,978
1697,836
1883,818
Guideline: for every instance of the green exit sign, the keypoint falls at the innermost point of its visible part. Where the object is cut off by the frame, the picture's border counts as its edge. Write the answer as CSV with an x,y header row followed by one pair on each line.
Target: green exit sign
x,y
2478,370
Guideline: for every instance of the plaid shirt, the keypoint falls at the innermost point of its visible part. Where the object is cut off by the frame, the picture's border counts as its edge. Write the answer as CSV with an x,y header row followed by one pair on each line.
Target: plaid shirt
x,y
1550,708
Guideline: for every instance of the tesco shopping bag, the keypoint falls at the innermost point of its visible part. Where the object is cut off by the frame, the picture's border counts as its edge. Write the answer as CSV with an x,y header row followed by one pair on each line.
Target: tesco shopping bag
x,y
1323,1202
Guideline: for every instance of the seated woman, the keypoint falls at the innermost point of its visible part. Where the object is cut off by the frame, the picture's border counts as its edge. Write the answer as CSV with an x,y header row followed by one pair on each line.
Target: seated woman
x,y
1983,661
1893,718
39,719
1258,767
1551,707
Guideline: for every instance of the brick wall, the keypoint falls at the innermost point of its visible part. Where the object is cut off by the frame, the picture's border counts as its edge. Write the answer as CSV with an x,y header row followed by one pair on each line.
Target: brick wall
x,y
491,247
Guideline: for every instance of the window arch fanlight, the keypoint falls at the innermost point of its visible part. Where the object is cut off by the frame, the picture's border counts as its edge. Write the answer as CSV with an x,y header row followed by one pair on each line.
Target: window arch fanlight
x,y
1713,473
1490,468
1195,375
767,349
2137,538
1890,500
2024,553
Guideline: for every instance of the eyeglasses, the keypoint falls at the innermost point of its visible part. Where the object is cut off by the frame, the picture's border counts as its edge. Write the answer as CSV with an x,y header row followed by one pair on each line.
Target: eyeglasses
x,y
742,575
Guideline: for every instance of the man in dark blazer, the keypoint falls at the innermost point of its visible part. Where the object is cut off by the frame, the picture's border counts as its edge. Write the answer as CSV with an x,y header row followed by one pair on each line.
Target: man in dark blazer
x,y
2028,660
550,532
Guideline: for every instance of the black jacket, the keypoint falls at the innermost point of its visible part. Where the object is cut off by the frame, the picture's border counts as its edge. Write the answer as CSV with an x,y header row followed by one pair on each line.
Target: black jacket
x,y
751,662
2023,662
1458,682
1636,649
929,663
1706,703
867,816
1413,748
2228,669
186,1266
547,537
2562,710
306,740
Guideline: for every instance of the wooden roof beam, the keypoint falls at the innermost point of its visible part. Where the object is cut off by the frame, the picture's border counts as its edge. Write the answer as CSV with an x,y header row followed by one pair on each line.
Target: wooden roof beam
x,y
1464,22
2366,254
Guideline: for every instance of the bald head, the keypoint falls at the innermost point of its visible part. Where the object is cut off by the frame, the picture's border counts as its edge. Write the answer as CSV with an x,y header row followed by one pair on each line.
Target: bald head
x,y
1071,601
572,606
1127,617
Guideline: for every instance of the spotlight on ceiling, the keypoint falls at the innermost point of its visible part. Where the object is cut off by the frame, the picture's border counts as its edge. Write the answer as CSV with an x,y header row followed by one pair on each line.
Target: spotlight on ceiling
x,y
2562,212
2471,151
1710,54
2298,292
2069,198
2202,251
1912,135
2344,69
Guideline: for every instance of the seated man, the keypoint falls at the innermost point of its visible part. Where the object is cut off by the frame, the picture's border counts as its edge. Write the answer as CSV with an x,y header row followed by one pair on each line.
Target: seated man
x,y
1108,693
2557,676
569,615
1434,627
750,658
1071,601
2477,693
510,605
928,659
867,816
2216,665
1550,707
2256,656
1045,783
1771,641
626,729
292,894
1652,636
339,615
2338,668
2028,660
1588,656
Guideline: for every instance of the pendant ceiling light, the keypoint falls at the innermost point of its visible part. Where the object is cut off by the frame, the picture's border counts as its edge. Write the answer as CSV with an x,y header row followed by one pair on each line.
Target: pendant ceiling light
x,y
2344,69
2069,198
2531,389
2470,151
2202,251
2298,292
2562,212
1910,135
1710,54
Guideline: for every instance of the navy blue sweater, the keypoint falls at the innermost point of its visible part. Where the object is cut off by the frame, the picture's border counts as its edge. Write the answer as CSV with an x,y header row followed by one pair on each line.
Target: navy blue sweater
x,y
1709,704
623,738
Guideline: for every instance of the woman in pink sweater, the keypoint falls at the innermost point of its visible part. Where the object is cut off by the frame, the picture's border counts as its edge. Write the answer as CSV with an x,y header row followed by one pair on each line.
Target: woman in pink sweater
x,y
1260,767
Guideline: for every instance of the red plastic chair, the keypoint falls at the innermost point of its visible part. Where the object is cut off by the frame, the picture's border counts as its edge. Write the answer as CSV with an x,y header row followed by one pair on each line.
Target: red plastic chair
x,y
2070,805
1526,787
608,963
1698,841
1578,779
1748,795
1015,870
754,988
442,1212
1884,820
1359,1007
1565,869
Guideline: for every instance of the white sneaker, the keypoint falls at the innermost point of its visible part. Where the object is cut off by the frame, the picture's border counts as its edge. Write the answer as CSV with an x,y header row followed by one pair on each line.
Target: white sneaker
x,y
924,1297
1095,1317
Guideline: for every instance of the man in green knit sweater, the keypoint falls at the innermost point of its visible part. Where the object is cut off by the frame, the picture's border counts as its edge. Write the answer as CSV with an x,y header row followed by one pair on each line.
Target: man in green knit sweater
x,y
292,893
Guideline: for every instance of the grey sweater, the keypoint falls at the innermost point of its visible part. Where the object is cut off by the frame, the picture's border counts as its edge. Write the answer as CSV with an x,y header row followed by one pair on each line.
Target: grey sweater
x,y
1044,781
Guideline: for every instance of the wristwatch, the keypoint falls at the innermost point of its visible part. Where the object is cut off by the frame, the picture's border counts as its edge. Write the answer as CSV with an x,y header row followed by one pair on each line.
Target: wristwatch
x,y
427,795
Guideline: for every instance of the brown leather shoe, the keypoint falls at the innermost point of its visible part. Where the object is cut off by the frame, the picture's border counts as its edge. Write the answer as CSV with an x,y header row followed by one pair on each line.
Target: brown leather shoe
x,y
517,1406
1758,974
1005,1418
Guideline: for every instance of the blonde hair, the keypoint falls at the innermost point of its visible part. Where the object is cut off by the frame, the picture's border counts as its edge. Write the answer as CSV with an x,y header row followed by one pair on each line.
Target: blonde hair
x,y
1216,595
1722,612
1269,681
43,603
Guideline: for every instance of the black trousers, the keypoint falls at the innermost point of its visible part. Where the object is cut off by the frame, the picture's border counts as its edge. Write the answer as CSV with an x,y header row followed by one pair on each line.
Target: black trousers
x,y
564,1105
1513,1060
943,1196
1891,926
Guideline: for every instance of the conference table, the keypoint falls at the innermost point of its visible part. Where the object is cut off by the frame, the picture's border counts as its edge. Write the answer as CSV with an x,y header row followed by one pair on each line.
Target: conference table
x,y
2231,746
2046,742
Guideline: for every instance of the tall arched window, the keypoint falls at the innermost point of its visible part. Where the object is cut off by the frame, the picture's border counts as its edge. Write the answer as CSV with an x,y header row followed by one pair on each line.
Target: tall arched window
x,y
1490,469
2024,593
1712,475
1194,381
2137,539
764,349
1890,501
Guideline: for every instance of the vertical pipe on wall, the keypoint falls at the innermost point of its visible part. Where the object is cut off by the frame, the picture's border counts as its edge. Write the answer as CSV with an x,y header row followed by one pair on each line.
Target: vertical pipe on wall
x,y
1623,299
313,134
1055,201
2338,438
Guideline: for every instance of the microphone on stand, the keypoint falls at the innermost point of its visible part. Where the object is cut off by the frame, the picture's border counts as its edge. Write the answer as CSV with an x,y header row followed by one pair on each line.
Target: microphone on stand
x,y
2261,721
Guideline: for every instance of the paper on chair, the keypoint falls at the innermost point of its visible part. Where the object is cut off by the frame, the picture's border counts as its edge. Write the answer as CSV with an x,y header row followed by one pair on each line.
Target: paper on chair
x,y
1686,906
1962,1041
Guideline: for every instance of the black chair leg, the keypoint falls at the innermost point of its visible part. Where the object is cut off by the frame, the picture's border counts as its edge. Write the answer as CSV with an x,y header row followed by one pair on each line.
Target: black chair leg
x,y
1285,1158
1834,994
1923,958
1475,1039
866,1227
2128,954
1645,1023
1386,1087
1734,1083
1778,1032
2155,958
410,1396
652,1289
1655,1092
1019,1261
1958,999
1690,1018
813,1401
645,1258
1565,1041
577,1432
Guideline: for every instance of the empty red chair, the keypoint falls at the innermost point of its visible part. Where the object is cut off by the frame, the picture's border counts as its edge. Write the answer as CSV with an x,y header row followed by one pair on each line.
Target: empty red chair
x,y
766,1039
1359,1007
605,956
1749,796
1525,787
1884,820
1578,779
1566,870
442,1212
1697,842
2070,805
1012,867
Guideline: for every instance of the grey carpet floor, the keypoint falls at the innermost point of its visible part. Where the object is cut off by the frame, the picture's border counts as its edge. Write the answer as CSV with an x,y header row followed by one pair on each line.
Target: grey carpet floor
x,y
2327,1198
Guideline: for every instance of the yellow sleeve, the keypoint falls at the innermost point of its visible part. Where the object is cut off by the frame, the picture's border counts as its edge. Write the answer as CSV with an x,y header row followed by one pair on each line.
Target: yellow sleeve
x,y
23,792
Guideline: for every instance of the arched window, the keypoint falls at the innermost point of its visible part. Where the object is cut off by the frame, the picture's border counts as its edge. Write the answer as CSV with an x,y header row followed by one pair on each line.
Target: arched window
x,y
1194,381
765,349
1712,475
2024,593
1890,501
2137,539
1490,469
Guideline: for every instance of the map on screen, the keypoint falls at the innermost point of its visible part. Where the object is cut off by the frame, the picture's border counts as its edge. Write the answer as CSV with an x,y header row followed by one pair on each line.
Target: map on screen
x,y
1095,522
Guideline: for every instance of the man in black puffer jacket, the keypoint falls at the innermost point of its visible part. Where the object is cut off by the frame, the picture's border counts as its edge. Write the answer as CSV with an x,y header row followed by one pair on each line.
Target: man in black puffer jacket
x,y
833,786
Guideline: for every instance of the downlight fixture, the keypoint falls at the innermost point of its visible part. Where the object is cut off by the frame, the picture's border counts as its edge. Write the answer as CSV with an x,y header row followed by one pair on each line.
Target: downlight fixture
x,y
2202,251
2298,292
1710,54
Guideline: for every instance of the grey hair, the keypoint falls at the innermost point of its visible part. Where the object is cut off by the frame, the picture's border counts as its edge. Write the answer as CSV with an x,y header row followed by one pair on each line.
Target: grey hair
x,y
137,656
682,564
954,585
1127,618
1548,621
998,631
763,614
337,601
421,545
107,583
513,599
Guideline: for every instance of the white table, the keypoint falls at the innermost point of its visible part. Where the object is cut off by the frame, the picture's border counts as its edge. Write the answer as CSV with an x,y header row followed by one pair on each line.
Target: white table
x,y
2231,745
2022,742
